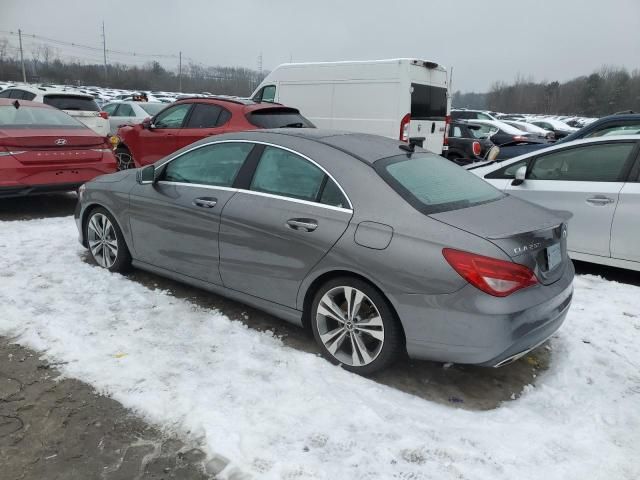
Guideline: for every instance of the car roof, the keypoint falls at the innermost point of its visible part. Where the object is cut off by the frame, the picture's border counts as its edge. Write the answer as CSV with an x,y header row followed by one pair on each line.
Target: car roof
x,y
38,90
363,146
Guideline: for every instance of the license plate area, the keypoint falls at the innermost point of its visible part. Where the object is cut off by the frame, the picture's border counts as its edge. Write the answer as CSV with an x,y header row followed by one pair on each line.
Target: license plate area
x,y
554,256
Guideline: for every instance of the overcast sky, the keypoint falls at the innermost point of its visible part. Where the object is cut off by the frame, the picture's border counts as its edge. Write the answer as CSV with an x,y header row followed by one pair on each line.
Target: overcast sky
x,y
483,40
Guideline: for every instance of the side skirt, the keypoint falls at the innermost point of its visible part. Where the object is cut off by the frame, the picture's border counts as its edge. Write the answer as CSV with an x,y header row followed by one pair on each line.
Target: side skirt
x,y
286,313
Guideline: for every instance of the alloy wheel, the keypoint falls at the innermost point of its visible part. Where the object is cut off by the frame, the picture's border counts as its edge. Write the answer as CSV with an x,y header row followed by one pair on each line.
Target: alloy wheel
x,y
350,326
102,240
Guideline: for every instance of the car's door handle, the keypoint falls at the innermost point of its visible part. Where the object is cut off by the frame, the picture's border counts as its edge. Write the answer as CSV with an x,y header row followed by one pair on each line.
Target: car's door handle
x,y
303,224
205,202
600,200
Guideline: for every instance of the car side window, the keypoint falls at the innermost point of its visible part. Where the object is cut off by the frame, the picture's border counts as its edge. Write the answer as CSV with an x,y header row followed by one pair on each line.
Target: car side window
x,y
216,165
591,163
332,195
110,108
125,110
204,116
28,95
172,117
17,94
5,93
266,94
457,132
284,173
507,172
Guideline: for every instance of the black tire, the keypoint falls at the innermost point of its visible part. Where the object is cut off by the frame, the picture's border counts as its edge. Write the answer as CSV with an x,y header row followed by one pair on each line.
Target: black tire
x,y
122,261
124,158
392,344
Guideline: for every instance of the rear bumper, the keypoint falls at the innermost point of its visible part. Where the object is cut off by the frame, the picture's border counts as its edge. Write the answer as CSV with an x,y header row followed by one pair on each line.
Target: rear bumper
x,y
472,327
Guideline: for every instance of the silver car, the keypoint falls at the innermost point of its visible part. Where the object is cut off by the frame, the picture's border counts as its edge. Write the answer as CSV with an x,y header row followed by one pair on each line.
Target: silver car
x,y
597,179
130,113
375,247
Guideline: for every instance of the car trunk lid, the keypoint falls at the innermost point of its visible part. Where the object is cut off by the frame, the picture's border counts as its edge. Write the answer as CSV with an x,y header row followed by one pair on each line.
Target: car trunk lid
x,y
530,235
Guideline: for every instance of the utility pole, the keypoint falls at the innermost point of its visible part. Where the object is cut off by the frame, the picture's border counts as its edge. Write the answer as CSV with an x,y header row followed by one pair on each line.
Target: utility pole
x,y
104,52
180,73
24,74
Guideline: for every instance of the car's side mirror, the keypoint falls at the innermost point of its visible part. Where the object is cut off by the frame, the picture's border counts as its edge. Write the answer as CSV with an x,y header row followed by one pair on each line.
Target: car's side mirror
x,y
147,123
521,175
146,175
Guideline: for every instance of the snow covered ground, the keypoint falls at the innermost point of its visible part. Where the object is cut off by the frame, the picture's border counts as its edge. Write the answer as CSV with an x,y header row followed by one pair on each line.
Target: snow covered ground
x,y
278,413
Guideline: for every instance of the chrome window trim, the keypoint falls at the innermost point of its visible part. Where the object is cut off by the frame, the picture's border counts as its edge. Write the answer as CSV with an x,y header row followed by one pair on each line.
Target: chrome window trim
x,y
257,142
252,192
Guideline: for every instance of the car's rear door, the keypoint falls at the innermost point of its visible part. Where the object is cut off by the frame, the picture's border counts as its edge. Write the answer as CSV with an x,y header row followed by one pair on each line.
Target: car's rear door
x,y
274,231
625,230
162,138
428,115
205,120
585,180
175,221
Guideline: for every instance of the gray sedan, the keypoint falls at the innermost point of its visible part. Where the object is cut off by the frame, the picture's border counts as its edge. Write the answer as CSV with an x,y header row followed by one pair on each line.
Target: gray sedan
x,y
596,179
377,248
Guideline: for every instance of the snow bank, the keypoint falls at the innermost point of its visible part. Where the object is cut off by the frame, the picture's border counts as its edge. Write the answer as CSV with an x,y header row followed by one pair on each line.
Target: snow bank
x,y
282,414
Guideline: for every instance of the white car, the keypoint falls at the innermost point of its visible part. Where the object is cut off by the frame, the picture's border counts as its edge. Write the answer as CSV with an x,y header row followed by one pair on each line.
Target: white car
x,y
596,179
80,106
531,128
130,113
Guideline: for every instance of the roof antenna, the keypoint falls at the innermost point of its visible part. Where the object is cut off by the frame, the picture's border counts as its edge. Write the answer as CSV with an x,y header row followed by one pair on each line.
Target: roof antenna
x,y
16,104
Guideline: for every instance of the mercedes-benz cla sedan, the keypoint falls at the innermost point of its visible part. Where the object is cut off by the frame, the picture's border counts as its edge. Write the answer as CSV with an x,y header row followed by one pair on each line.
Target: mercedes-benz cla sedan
x,y
376,247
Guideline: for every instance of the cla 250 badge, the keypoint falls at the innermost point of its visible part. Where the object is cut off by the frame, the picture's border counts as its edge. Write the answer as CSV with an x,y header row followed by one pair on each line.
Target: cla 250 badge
x,y
526,248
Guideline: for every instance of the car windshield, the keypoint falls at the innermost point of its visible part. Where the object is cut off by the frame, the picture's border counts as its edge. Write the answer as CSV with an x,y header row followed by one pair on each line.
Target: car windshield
x,y
152,108
483,131
278,118
433,184
72,102
35,117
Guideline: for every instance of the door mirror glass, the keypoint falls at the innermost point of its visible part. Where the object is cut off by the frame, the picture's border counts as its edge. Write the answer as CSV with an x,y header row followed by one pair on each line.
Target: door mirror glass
x,y
146,175
521,174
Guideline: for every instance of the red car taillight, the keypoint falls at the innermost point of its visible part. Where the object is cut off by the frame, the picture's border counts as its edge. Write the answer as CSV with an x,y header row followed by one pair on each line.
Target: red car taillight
x,y
477,149
404,127
104,115
447,124
519,138
491,275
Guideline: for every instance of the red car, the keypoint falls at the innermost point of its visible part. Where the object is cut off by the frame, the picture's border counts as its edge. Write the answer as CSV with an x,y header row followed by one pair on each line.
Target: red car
x,y
189,120
42,149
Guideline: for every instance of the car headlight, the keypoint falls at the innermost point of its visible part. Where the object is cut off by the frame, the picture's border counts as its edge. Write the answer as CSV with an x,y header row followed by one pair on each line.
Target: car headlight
x,y
114,140
81,190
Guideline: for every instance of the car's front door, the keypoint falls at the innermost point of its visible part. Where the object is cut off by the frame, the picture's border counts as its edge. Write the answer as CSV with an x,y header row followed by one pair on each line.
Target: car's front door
x,y
275,232
161,139
203,121
625,231
175,221
585,180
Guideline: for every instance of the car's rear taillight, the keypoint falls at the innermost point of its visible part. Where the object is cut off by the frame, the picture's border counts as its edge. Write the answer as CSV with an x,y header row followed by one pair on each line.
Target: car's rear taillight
x,y
477,149
491,275
104,115
447,124
519,138
404,127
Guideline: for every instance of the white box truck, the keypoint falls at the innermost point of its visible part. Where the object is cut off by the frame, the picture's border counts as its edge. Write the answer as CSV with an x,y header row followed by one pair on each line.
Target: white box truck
x,y
400,98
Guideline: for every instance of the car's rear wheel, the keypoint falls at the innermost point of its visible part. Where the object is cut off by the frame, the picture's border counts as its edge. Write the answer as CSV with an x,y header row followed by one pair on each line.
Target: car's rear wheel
x,y
355,326
124,158
106,242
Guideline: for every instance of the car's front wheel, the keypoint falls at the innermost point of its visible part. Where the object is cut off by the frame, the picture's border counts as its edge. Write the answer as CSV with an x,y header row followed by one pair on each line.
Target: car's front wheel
x,y
355,326
106,242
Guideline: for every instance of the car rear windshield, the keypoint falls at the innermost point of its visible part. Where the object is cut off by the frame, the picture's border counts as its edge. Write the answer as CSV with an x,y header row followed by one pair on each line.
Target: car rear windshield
x,y
152,108
428,103
433,184
72,102
35,117
278,118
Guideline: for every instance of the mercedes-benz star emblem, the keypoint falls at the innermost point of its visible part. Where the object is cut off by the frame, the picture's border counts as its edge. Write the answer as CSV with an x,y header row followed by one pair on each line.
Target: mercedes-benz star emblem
x,y
61,141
